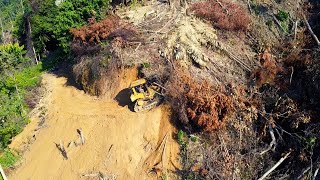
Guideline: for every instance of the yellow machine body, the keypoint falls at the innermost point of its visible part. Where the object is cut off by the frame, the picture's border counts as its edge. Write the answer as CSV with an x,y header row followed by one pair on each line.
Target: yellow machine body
x,y
143,95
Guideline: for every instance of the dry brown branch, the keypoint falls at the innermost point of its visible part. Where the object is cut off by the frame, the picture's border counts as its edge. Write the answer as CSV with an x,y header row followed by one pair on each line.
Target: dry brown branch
x,y
144,23
272,143
91,175
304,172
164,150
225,9
292,69
275,166
249,6
157,161
222,14
137,47
166,24
82,138
278,23
295,29
315,174
62,150
101,176
108,155
311,31
232,56
149,31
200,106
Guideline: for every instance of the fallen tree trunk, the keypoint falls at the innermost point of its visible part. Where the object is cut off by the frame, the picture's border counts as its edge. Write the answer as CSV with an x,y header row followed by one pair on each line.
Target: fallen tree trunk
x,y
275,166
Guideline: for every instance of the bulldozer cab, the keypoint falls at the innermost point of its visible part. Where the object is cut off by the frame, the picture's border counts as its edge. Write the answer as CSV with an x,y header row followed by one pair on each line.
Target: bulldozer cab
x,y
145,94
138,89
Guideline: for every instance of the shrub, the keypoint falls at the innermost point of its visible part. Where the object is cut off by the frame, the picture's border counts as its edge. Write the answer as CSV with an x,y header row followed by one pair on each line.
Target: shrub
x,y
8,158
13,108
11,55
181,138
283,15
16,76
227,15
200,106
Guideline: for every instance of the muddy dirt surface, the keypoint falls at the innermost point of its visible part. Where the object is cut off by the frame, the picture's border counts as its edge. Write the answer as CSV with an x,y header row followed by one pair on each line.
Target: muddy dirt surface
x,y
118,143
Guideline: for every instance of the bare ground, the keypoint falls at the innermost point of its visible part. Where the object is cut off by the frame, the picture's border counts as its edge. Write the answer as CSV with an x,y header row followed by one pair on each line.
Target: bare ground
x,y
119,143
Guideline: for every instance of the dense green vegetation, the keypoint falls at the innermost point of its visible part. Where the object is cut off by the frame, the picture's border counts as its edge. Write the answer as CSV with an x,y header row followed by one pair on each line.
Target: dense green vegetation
x,y
8,158
11,15
16,77
51,22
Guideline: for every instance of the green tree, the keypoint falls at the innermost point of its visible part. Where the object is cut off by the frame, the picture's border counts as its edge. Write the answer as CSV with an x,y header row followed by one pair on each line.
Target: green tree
x,y
11,12
15,77
51,23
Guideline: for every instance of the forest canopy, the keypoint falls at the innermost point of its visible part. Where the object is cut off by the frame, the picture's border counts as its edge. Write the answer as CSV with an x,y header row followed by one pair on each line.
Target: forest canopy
x,y
51,21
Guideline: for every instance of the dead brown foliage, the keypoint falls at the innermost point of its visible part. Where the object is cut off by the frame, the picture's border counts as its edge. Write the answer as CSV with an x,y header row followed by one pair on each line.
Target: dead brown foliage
x,y
208,111
199,104
97,31
33,96
227,15
297,59
86,40
268,71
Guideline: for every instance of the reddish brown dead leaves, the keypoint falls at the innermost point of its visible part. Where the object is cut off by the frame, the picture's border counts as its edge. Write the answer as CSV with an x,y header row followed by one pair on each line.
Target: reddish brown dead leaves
x,y
86,39
96,31
109,28
268,71
224,15
199,104
208,107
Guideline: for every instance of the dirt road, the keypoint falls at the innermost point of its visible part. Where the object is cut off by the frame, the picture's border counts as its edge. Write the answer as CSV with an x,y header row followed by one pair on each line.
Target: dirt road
x,y
119,143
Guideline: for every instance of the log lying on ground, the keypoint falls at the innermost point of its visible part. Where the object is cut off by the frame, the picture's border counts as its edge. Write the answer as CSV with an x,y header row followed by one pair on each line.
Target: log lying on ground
x,y
273,143
62,150
275,166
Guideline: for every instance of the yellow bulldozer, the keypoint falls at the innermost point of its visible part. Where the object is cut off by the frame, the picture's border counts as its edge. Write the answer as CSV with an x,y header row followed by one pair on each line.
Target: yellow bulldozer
x,y
146,93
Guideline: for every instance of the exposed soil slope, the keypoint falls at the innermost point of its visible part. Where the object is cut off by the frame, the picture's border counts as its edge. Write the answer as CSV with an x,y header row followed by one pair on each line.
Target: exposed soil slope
x,y
119,143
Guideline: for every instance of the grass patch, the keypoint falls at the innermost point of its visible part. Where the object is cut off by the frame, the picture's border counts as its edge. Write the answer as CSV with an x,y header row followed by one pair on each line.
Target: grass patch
x,y
27,78
146,65
283,15
181,138
8,158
